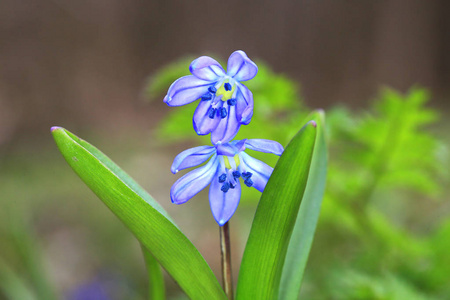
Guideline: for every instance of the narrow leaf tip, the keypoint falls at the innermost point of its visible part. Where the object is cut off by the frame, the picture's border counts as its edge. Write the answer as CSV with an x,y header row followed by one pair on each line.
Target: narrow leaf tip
x,y
54,128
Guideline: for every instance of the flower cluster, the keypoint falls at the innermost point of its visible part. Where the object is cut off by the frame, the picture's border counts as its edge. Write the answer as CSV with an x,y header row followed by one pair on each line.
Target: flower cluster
x,y
225,104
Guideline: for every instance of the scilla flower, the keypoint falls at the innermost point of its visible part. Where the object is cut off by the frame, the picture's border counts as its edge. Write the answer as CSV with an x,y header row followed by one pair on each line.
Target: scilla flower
x,y
225,103
228,166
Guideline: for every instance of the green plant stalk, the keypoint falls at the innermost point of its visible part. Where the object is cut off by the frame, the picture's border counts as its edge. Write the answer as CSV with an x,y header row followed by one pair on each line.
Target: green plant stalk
x,y
156,290
225,251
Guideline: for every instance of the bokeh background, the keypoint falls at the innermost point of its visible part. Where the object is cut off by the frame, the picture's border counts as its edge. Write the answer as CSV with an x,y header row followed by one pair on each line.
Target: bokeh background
x,y
87,66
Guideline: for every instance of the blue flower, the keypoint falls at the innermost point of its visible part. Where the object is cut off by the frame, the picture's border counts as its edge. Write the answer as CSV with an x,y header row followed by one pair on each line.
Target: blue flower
x,y
225,102
227,166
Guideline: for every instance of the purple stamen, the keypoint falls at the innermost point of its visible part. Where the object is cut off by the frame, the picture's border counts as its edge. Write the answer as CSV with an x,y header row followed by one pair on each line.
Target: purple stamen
x,y
246,175
231,102
223,112
227,86
206,97
212,113
225,187
222,178
248,182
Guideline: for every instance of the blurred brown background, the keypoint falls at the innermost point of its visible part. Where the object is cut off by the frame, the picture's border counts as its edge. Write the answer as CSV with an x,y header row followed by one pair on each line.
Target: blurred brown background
x,y
84,63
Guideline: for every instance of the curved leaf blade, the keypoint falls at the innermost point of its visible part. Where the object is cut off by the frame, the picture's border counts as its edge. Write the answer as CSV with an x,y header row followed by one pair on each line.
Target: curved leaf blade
x,y
142,215
264,255
308,215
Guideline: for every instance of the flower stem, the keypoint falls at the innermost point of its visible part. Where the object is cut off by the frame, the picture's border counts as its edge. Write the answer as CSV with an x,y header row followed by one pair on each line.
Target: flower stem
x,y
226,260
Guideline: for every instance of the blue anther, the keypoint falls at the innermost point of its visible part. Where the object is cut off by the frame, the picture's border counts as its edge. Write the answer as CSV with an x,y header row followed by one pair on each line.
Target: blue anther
x,y
232,186
223,112
231,102
248,182
212,89
246,175
227,86
225,187
206,97
236,174
222,178
211,112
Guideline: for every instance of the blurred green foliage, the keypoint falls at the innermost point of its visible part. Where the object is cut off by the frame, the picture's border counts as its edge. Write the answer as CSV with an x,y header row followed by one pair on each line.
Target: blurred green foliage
x,y
381,233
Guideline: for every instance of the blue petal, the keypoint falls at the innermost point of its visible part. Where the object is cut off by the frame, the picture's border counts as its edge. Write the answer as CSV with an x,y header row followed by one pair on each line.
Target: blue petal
x,y
232,148
244,104
191,158
227,128
240,145
203,124
223,205
186,90
266,146
240,67
260,171
226,149
193,182
206,68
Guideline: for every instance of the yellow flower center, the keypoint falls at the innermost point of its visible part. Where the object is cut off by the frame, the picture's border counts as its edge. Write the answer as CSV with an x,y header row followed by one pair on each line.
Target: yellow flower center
x,y
226,94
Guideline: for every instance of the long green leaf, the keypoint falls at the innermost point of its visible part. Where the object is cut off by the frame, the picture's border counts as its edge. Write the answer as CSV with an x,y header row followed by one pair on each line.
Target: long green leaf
x,y
308,215
142,215
265,253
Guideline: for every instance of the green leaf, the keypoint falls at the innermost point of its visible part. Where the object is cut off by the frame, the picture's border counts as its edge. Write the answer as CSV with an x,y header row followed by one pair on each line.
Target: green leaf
x,y
155,277
308,215
275,218
142,215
